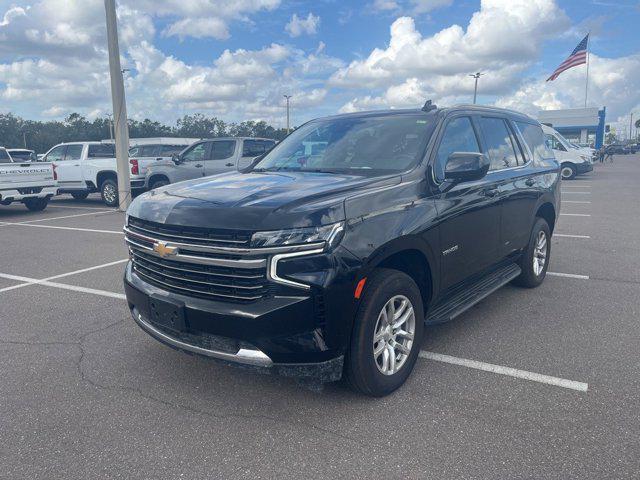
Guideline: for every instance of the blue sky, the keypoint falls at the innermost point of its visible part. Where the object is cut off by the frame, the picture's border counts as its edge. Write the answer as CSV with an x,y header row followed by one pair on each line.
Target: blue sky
x,y
236,59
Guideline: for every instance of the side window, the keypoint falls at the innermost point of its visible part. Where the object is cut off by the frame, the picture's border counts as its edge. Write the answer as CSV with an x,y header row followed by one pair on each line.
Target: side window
x,y
254,148
101,150
4,156
196,153
133,151
168,150
55,155
499,144
459,136
536,141
223,149
74,152
150,151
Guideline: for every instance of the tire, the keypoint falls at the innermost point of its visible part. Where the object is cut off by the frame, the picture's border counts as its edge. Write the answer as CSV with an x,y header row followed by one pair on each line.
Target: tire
x,y
36,204
568,171
363,368
532,276
160,182
80,195
109,192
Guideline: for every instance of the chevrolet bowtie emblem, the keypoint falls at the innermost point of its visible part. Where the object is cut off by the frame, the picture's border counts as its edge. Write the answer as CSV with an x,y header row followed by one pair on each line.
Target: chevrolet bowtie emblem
x,y
164,250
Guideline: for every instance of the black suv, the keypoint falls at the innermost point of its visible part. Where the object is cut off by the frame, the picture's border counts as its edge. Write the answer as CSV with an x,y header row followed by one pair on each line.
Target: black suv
x,y
329,253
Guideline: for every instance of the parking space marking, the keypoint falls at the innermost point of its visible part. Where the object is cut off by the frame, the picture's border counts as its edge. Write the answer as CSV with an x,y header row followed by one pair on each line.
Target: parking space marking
x,y
33,281
570,236
576,201
508,371
68,216
568,275
575,214
63,228
573,191
64,286
73,206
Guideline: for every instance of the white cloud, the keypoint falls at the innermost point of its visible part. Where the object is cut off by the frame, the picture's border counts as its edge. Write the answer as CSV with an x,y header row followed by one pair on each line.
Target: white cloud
x,y
424,6
300,26
199,28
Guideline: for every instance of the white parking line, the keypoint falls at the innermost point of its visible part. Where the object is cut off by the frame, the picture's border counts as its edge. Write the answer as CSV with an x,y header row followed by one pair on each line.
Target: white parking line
x,y
568,275
73,206
570,191
570,236
63,228
575,214
511,372
68,216
32,281
576,201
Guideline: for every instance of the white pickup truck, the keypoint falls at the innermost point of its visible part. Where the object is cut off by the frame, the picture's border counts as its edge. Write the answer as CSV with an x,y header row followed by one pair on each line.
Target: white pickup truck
x,y
86,167
30,183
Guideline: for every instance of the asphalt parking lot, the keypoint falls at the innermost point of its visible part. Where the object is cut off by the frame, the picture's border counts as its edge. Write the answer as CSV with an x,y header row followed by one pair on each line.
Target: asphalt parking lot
x,y
527,384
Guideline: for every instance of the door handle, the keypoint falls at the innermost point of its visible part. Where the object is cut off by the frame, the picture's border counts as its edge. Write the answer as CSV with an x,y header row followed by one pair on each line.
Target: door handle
x,y
490,192
228,164
159,158
198,165
529,182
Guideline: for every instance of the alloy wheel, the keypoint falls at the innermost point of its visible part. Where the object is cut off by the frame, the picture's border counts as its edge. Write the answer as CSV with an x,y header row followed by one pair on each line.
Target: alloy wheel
x,y
110,193
540,253
393,334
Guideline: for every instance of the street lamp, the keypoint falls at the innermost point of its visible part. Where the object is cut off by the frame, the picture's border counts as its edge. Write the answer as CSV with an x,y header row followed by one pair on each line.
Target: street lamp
x,y
287,97
476,75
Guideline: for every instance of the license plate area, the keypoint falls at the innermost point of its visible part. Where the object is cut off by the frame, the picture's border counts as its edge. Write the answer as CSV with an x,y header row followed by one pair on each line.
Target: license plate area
x,y
166,313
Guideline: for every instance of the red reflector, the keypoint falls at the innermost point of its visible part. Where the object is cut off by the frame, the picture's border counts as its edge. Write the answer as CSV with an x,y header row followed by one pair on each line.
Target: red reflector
x,y
359,288
134,166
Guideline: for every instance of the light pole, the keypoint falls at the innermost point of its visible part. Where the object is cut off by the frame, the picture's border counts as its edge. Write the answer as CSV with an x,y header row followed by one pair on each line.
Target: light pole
x,y
119,107
110,126
287,97
24,138
476,75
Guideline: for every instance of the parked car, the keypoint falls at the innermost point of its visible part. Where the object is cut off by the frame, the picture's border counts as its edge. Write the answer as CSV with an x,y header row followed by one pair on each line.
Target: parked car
x,y
22,155
25,182
572,162
615,149
207,157
86,167
311,264
141,157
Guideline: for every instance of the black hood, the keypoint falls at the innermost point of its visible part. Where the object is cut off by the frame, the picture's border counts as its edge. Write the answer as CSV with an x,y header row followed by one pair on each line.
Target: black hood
x,y
255,200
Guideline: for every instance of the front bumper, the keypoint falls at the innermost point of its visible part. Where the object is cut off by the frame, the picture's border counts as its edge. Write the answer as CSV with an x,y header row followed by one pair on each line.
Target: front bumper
x,y
276,335
14,195
584,167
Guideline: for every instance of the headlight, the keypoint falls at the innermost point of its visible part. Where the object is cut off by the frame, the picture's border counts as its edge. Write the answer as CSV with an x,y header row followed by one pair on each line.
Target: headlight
x,y
331,234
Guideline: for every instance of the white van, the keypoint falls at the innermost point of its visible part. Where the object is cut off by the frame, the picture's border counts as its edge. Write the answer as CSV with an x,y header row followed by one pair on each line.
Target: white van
x,y
573,162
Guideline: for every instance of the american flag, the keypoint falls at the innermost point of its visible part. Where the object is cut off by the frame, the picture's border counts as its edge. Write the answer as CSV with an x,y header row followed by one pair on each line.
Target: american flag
x,y
577,57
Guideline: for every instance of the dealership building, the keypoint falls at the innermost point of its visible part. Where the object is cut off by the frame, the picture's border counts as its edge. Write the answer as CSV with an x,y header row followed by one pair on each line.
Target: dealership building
x,y
583,126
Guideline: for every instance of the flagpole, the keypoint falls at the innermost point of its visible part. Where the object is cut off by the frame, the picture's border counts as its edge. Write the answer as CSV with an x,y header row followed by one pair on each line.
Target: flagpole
x,y
586,86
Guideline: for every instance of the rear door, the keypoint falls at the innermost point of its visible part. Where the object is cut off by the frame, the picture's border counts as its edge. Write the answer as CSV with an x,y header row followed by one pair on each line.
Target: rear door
x,y
221,157
469,212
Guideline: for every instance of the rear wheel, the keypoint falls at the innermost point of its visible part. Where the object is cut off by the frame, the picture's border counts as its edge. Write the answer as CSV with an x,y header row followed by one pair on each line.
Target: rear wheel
x,y
387,334
36,204
80,195
568,171
535,259
109,192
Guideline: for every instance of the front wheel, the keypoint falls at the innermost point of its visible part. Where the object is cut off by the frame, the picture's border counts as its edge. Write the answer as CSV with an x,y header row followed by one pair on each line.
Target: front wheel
x,y
161,182
535,258
387,334
109,192
36,204
568,171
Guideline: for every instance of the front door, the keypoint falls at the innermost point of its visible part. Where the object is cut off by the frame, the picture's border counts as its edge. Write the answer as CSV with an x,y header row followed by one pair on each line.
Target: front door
x,y
68,169
192,162
469,213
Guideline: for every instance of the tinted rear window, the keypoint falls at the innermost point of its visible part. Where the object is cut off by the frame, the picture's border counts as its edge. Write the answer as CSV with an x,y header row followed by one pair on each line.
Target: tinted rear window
x,y
535,139
104,150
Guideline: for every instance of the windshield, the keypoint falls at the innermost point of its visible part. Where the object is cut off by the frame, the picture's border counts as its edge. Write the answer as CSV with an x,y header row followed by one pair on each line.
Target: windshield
x,y
372,145
4,156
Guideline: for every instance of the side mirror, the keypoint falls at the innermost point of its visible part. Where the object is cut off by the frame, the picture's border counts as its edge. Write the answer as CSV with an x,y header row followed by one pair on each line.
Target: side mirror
x,y
466,166
176,158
